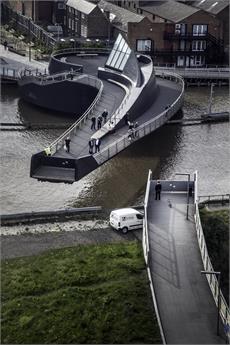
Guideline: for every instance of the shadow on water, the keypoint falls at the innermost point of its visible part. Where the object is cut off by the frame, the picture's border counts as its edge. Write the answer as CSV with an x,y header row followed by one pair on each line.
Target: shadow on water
x,y
34,114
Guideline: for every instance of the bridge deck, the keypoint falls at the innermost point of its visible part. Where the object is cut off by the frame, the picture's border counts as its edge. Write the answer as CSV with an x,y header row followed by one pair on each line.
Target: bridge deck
x,y
187,309
167,93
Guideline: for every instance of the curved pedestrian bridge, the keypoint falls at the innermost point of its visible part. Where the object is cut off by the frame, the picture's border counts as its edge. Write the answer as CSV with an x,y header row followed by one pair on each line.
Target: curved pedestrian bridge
x,y
126,84
187,311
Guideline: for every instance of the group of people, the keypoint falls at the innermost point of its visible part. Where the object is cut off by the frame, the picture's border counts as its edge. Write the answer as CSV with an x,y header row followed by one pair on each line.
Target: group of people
x,y
132,131
94,143
96,123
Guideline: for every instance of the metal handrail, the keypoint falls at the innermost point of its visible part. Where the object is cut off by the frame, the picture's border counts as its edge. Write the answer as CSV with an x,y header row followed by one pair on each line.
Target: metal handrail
x,y
157,121
212,280
55,145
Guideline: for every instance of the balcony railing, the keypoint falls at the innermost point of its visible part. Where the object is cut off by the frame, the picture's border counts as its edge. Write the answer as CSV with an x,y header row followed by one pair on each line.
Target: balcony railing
x,y
192,36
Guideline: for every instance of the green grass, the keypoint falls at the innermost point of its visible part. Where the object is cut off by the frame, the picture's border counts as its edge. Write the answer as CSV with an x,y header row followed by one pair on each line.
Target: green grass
x,y
86,294
216,230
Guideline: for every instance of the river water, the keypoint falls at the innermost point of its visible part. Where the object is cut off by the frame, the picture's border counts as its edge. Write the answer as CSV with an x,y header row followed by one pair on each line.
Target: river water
x,y
121,181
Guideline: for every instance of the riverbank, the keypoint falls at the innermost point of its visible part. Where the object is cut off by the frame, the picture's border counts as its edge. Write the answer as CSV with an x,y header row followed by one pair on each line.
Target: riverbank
x,y
27,240
95,294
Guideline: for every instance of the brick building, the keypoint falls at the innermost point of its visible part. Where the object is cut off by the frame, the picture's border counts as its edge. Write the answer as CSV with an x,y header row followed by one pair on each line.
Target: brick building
x,y
85,20
41,12
180,34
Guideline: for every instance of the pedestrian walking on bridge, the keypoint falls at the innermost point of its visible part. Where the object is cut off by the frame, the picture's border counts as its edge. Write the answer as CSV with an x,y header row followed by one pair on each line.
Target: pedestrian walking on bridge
x,y
158,190
67,144
97,145
104,115
91,146
93,120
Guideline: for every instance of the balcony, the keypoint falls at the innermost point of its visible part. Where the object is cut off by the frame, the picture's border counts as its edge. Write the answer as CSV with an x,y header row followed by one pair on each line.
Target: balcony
x,y
190,36
178,52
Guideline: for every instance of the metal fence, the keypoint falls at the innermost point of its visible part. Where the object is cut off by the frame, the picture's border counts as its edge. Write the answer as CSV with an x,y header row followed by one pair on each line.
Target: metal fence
x,y
59,142
146,252
212,280
18,20
211,72
217,198
147,127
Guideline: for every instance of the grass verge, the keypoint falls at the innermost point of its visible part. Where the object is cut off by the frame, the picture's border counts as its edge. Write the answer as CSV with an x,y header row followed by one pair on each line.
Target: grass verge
x,y
85,294
216,230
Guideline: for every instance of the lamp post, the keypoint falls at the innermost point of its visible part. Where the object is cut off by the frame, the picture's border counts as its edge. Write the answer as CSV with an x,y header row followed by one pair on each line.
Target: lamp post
x,y
188,176
218,297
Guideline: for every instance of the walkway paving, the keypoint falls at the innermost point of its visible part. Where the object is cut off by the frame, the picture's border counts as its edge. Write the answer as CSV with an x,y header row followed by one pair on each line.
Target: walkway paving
x,y
19,62
186,306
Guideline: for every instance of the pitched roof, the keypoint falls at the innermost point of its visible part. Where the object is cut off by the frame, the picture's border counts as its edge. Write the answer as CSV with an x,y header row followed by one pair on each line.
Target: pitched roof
x,y
120,16
81,5
211,6
170,10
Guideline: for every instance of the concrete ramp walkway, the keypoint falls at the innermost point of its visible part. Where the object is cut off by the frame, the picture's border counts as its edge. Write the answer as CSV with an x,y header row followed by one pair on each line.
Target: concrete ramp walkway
x,y
187,310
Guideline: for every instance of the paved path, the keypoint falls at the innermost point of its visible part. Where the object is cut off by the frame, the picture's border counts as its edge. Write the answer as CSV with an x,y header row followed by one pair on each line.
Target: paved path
x,y
187,309
18,61
34,244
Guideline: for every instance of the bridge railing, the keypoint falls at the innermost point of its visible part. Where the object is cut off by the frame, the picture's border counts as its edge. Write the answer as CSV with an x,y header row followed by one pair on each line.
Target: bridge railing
x,y
146,252
212,280
221,72
147,127
60,141
43,79
205,199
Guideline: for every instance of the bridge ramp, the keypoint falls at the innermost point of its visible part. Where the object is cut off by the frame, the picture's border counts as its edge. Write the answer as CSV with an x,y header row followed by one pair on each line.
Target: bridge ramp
x,y
186,306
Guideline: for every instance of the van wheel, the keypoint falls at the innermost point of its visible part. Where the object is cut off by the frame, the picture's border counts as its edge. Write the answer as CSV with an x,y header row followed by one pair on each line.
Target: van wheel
x,y
124,230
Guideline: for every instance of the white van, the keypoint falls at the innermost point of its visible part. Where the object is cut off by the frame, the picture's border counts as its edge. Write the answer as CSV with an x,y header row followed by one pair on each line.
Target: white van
x,y
125,219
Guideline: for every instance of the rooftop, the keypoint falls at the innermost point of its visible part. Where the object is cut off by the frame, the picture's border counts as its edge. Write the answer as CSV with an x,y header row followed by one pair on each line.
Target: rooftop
x,y
211,6
81,5
171,10
120,16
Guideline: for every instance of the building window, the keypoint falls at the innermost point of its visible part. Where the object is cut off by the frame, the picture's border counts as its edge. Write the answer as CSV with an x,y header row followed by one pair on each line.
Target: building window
x,y
84,31
144,45
61,6
69,9
73,25
198,45
197,60
199,30
69,26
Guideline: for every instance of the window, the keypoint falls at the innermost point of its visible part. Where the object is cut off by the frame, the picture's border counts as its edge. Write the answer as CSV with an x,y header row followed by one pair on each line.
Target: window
x,y
69,26
144,45
61,6
200,30
198,45
139,216
119,54
73,25
84,31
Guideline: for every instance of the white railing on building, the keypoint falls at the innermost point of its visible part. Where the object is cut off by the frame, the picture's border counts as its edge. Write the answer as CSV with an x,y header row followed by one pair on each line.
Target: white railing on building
x,y
147,127
195,72
212,280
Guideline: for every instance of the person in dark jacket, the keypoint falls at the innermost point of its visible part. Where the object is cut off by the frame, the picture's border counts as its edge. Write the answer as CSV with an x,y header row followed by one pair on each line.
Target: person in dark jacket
x,y
5,44
93,120
104,115
67,144
99,122
91,146
158,190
